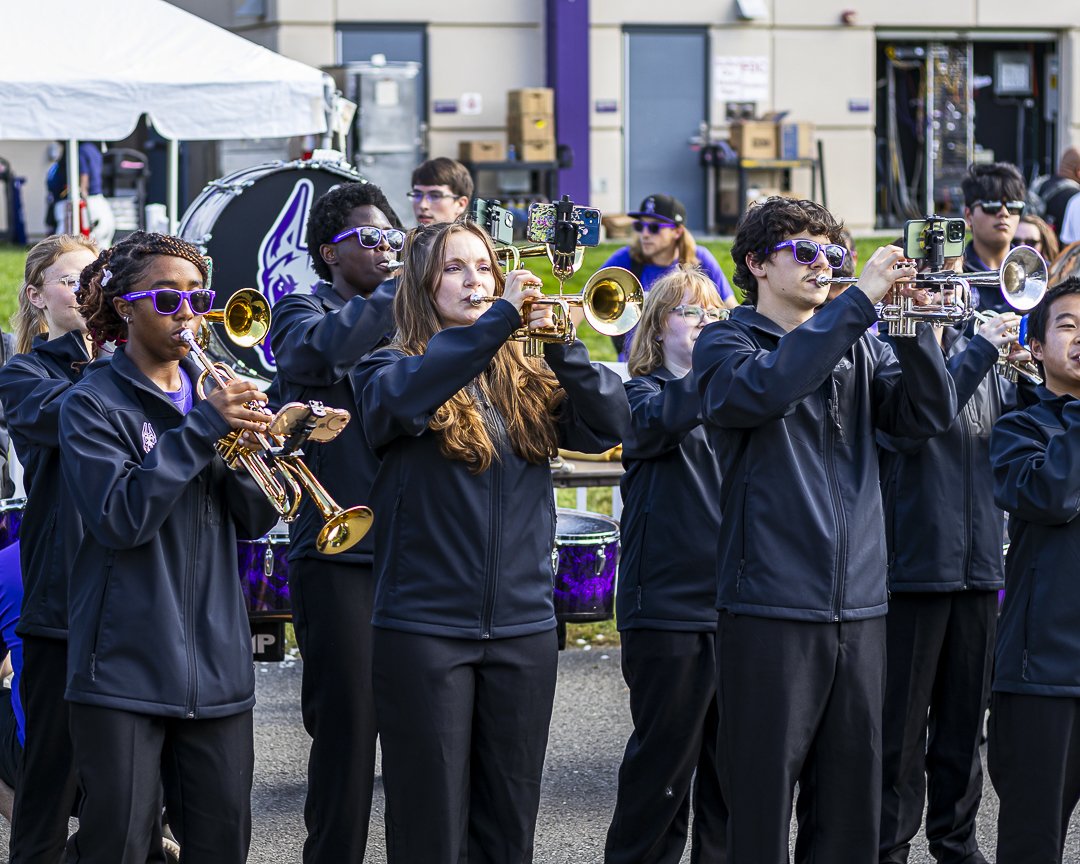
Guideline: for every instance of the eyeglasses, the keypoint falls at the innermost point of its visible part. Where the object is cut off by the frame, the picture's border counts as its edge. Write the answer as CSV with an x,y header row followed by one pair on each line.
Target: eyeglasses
x,y
69,281
370,237
806,252
434,197
992,208
689,312
168,300
652,227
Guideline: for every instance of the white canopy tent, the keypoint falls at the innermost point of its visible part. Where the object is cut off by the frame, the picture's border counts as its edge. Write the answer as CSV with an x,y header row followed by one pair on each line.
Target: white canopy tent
x,y
194,80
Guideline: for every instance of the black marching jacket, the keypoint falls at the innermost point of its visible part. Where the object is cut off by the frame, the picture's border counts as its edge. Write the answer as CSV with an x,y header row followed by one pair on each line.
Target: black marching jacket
x,y
671,509
32,387
158,619
1036,461
792,418
317,340
944,531
460,554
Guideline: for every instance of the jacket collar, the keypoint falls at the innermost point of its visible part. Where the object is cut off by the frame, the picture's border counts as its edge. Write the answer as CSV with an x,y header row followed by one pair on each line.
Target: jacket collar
x,y
328,296
1051,400
750,317
123,367
71,347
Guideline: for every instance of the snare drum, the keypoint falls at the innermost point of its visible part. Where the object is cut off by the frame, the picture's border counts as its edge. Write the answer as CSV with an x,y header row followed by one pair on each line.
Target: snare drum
x,y
11,516
586,557
264,576
253,224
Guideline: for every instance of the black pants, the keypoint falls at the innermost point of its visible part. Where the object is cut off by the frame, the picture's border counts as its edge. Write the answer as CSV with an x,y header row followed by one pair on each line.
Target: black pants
x,y
937,684
672,681
122,758
332,617
464,726
46,775
1034,760
805,698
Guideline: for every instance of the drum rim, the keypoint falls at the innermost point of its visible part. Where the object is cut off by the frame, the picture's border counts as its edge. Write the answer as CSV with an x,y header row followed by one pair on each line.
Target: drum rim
x,y
591,538
11,505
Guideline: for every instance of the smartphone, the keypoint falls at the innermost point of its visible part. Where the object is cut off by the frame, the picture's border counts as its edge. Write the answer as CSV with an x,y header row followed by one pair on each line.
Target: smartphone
x,y
496,220
921,235
541,227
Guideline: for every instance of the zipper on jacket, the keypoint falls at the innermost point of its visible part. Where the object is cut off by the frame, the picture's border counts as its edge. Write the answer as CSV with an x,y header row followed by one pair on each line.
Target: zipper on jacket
x,y
965,460
491,578
189,603
838,510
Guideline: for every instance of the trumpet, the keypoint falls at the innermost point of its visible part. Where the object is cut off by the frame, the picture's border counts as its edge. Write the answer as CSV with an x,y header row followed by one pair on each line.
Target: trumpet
x,y
510,256
1021,280
611,300
275,463
1011,370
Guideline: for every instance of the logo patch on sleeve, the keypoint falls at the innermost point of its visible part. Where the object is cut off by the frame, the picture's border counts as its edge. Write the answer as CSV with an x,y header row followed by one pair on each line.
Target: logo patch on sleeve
x,y
149,437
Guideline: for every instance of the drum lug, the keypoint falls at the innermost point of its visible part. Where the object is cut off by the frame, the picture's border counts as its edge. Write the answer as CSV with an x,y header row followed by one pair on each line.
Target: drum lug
x,y
601,560
268,561
555,560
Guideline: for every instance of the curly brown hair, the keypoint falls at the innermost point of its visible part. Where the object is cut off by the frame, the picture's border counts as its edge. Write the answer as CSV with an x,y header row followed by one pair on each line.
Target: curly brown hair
x,y
770,222
522,389
125,264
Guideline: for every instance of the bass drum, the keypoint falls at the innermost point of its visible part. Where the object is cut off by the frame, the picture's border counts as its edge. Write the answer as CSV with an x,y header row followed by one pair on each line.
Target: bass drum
x,y
253,224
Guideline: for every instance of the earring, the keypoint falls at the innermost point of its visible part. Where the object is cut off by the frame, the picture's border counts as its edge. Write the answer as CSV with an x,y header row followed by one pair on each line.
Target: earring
x,y
127,319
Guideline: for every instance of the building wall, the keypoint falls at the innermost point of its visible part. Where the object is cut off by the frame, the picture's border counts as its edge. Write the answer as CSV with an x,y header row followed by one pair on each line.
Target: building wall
x,y
819,68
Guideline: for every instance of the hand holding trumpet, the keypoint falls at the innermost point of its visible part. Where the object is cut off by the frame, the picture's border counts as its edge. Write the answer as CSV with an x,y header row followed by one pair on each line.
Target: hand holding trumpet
x,y
521,287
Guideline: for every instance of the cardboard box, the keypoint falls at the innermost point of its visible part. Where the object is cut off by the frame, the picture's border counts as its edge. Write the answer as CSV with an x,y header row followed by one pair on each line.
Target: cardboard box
x,y
482,151
536,151
754,139
530,100
796,141
530,127
617,226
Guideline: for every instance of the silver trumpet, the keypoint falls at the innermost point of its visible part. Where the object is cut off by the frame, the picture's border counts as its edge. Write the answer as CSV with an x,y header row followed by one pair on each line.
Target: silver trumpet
x,y
1010,370
1021,280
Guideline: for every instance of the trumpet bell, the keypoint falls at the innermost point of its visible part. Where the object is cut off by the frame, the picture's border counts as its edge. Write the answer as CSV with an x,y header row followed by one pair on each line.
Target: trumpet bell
x,y
246,317
1023,278
612,300
344,530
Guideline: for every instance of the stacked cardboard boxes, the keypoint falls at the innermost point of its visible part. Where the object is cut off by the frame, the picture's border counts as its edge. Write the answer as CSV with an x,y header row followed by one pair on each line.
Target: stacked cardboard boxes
x,y
530,123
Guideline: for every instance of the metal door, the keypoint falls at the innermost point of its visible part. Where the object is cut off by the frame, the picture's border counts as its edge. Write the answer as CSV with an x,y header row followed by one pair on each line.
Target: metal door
x,y
665,103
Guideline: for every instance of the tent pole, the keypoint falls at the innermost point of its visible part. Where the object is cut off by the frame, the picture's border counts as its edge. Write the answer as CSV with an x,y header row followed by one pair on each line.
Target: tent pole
x,y
74,186
174,184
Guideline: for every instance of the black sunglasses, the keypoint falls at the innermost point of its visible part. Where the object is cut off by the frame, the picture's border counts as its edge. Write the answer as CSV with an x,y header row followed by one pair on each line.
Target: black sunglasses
x,y
992,208
652,227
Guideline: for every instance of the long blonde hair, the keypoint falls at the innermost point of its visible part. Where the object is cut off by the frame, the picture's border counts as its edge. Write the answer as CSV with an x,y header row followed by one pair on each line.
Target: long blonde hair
x,y
646,351
522,389
28,320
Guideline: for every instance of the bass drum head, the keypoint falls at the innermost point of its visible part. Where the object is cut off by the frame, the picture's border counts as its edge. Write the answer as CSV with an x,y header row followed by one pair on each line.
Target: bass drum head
x,y
253,224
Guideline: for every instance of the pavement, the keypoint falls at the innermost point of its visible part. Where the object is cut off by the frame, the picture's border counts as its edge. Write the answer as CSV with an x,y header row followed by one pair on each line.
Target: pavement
x,y
589,727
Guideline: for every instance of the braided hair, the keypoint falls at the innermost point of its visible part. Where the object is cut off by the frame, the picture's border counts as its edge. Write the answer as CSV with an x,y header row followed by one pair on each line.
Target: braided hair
x,y
117,270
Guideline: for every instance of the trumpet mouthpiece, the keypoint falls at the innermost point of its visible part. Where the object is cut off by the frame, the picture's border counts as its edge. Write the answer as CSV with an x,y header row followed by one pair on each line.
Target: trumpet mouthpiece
x,y
476,299
394,265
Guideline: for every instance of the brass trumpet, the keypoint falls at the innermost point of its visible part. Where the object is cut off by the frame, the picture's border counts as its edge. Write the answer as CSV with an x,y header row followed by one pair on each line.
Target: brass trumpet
x,y
510,256
611,300
275,463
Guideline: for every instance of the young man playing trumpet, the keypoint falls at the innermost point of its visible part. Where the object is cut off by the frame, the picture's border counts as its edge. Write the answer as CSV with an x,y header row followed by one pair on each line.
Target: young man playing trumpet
x,y
318,339
945,568
1033,757
792,400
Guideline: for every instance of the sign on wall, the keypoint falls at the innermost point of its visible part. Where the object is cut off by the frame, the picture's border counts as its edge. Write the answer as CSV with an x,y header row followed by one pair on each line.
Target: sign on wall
x,y
741,79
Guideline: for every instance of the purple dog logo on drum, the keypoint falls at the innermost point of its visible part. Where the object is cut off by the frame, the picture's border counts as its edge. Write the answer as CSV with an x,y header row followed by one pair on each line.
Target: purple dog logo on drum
x,y
149,437
283,255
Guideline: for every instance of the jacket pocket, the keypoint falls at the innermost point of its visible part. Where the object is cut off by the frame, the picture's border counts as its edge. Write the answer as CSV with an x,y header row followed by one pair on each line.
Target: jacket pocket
x,y
99,627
